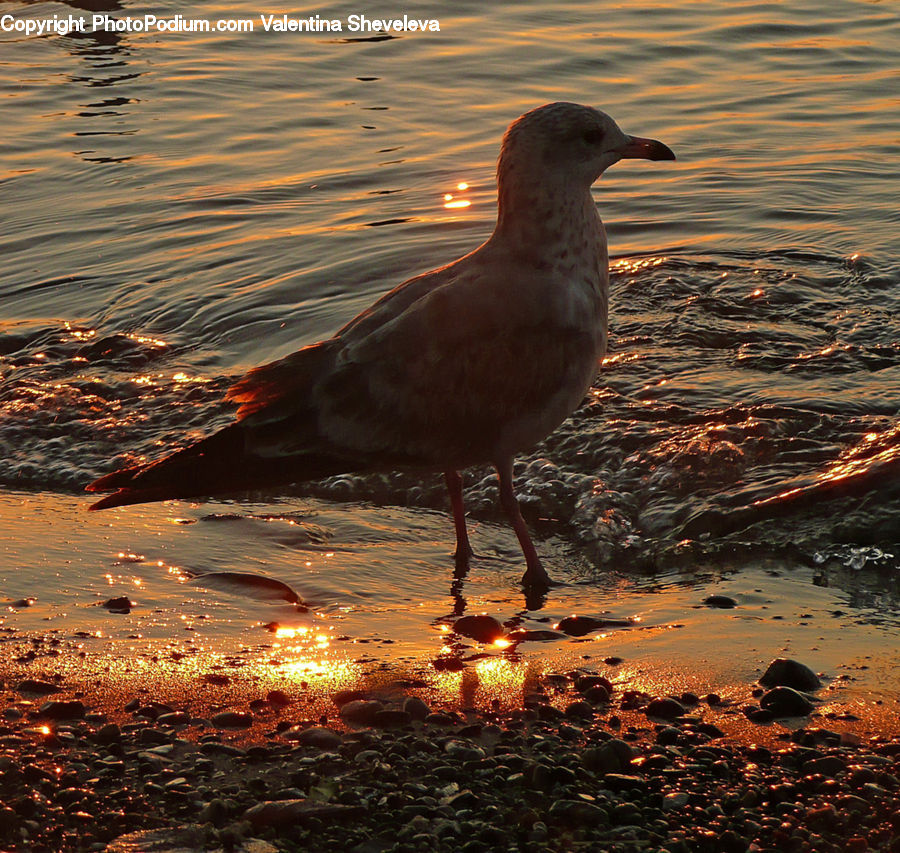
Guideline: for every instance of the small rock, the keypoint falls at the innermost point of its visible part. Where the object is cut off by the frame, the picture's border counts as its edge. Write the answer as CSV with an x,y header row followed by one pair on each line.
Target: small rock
x,y
33,685
320,737
448,663
578,626
361,711
465,799
585,682
415,707
783,672
278,699
284,813
828,765
723,602
579,710
462,751
785,702
110,733
73,709
524,635
175,718
624,782
232,720
342,697
214,812
439,718
122,604
674,801
613,756
665,709
597,695
483,628
392,718
578,813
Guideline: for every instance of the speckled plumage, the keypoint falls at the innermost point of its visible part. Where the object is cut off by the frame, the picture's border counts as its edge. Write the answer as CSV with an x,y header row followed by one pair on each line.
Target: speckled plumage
x,y
469,363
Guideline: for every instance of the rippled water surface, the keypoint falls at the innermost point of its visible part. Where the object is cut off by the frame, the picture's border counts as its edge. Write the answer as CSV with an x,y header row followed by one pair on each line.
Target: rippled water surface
x,y
177,208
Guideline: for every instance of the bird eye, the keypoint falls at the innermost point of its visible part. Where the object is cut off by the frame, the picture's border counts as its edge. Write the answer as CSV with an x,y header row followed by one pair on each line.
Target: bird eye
x,y
594,136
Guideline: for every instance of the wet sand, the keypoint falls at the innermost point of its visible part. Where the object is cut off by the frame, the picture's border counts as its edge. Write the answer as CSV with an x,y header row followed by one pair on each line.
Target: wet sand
x,y
138,689
214,757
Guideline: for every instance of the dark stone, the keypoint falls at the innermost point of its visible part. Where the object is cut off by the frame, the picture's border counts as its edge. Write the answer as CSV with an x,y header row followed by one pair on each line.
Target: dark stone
x,y
624,782
585,682
483,628
783,672
613,756
578,626
465,799
447,663
597,695
110,733
723,602
320,737
758,715
33,685
342,697
578,813
828,765
73,709
215,748
175,718
665,709
415,707
285,813
579,710
786,702
118,605
523,635
362,712
392,718
278,699
232,720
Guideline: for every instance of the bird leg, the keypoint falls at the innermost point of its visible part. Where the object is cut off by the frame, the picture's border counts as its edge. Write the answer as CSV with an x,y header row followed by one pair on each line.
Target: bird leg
x,y
535,576
463,548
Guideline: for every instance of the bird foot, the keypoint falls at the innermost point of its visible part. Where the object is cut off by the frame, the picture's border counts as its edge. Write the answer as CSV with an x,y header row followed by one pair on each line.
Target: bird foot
x,y
537,583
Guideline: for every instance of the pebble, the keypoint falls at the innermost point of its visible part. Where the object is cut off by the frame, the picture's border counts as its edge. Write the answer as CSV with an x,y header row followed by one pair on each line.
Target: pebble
x,y
285,813
361,711
416,708
675,800
62,710
783,672
483,628
786,702
34,685
724,602
320,737
665,709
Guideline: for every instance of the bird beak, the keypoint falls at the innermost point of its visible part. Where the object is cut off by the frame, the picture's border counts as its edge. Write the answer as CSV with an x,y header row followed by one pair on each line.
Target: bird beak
x,y
644,149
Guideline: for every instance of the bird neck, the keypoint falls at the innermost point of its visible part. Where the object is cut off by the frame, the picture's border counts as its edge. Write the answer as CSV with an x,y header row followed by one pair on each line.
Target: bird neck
x,y
548,224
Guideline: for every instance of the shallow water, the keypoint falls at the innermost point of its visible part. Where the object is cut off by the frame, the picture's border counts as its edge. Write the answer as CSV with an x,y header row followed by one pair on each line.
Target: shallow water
x,y
178,208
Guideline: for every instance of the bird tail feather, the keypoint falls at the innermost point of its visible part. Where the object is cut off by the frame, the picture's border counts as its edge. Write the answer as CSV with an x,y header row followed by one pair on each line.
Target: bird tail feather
x,y
219,464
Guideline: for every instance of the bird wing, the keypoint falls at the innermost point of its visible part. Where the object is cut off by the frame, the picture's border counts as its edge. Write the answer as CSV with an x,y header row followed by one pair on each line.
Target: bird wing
x,y
441,371
480,355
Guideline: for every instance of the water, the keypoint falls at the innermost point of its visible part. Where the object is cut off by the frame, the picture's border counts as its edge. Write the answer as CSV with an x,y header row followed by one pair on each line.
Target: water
x,y
179,208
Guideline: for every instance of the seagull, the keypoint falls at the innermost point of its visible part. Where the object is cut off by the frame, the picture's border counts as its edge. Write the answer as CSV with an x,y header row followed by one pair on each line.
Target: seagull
x,y
468,364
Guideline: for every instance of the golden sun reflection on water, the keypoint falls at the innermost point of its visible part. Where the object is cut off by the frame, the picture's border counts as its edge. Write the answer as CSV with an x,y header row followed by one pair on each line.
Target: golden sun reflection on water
x,y
451,202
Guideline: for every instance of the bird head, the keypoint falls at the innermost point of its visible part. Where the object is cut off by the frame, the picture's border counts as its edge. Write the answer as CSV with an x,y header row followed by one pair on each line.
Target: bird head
x,y
564,141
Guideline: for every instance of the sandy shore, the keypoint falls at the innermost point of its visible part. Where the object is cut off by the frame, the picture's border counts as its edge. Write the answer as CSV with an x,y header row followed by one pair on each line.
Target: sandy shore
x,y
571,763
